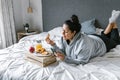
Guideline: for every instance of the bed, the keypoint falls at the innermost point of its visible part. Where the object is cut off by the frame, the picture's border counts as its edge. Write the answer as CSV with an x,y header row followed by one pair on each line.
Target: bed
x,y
13,66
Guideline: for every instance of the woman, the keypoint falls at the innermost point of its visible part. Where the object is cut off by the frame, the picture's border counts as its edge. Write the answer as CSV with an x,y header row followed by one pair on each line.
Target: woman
x,y
78,48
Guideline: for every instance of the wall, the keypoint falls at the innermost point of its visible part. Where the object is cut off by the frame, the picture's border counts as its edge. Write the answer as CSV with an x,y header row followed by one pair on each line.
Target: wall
x,y
21,16
55,12
17,7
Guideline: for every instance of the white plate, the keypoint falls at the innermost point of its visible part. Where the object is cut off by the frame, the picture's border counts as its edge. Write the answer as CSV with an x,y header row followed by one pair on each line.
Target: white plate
x,y
41,55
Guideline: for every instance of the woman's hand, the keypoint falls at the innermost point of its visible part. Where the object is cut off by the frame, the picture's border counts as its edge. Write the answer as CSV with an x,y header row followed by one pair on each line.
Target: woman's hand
x,y
47,39
60,56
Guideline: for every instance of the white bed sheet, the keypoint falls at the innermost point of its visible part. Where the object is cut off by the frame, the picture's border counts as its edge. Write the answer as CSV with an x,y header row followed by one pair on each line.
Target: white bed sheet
x,y
14,67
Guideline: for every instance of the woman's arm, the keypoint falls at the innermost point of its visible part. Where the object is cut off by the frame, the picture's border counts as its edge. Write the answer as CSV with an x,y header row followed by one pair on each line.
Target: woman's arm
x,y
81,59
81,55
53,44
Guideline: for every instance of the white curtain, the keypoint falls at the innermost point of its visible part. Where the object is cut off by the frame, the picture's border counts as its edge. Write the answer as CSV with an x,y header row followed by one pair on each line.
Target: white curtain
x,y
7,27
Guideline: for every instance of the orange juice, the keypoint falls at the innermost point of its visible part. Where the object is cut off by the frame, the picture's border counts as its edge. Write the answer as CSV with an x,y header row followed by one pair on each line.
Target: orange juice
x,y
38,46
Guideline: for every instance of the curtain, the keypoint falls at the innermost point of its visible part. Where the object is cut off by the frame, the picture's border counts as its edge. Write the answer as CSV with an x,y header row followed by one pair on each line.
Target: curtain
x,y
7,27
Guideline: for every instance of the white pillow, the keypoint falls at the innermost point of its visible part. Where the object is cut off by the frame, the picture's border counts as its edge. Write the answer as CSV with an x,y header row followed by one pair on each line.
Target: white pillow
x,y
88,27
99,30
40,36
56,31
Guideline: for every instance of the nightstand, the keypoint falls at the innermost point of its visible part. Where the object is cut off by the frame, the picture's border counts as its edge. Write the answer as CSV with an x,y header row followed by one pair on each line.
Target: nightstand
x,y
22,34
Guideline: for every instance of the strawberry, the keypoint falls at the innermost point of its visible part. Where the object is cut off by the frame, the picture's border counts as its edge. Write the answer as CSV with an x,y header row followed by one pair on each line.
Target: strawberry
x,y
31,49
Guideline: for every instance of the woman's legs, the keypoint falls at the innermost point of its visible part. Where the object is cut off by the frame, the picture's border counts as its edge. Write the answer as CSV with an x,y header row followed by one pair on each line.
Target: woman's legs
x,y
114,16
111,35
112,32
109,28
112,22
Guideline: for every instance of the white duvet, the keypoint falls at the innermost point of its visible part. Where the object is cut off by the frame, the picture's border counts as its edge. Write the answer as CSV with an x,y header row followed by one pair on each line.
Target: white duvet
x,y
13,66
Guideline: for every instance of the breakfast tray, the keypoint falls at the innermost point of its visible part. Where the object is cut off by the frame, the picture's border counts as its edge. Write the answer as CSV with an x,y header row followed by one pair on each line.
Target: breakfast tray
x,y
41,60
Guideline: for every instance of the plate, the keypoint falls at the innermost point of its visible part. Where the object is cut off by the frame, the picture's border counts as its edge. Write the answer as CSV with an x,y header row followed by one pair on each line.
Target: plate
x,y
42,55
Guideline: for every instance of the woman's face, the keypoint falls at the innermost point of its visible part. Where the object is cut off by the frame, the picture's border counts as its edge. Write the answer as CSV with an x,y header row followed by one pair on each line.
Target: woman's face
x,y
67,33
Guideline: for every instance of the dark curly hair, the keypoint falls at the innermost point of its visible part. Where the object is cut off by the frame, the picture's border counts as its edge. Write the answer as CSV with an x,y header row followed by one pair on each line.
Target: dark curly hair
x,y
73,24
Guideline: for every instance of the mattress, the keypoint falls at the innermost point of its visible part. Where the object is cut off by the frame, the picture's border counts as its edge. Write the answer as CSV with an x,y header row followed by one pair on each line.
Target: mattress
x,y
13,66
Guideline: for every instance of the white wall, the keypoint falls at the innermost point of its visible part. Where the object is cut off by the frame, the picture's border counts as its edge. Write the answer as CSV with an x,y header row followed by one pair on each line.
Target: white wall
x,y
17,14
21,16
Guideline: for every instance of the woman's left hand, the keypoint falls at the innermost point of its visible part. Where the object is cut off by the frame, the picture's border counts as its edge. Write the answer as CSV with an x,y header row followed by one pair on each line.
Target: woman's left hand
x,y
49,41
61,56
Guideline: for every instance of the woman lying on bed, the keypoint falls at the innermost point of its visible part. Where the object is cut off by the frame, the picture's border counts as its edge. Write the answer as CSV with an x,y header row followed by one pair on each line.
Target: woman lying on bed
x,y
78,48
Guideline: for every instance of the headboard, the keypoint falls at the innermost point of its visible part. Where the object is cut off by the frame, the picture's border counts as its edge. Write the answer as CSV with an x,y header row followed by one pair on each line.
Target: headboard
x,y
55,12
